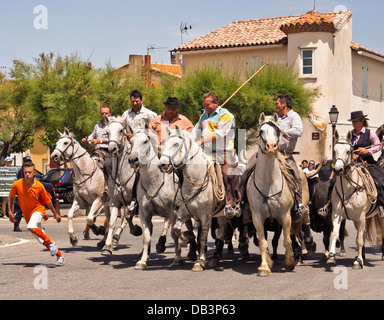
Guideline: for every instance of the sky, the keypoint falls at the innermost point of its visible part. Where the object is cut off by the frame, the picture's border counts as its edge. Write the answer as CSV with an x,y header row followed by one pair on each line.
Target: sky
x,y
109,31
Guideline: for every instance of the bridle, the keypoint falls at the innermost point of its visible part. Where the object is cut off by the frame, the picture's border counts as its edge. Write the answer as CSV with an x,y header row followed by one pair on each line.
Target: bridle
x,y
345,165
260,135
185,159
62,152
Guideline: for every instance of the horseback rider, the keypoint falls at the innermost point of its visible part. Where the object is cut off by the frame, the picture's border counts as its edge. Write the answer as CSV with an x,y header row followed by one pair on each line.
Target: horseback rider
x,y
215,133
170,118
99,137
365,142
291,128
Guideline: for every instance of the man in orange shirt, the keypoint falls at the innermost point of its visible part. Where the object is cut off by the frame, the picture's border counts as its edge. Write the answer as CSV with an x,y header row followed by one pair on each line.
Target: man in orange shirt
x,y
32,198
170,118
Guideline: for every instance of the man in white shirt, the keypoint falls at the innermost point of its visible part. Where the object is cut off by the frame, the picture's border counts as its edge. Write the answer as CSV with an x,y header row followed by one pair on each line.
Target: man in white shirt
x,y
137,116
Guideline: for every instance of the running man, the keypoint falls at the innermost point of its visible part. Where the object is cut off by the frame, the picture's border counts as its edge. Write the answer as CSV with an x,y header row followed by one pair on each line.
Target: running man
x,y
32,198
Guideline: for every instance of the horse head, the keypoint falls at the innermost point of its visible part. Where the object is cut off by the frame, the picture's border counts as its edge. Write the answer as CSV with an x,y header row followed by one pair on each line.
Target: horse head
x,y
64,146
269,134
144,144
343,153
175,150
116,135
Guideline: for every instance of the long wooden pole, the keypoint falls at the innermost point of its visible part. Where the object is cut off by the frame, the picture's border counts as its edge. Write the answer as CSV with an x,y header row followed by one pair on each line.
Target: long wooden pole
x,y
261,68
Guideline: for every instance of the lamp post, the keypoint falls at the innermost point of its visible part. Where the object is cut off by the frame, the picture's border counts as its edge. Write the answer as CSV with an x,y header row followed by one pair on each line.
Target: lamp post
x,y
333,116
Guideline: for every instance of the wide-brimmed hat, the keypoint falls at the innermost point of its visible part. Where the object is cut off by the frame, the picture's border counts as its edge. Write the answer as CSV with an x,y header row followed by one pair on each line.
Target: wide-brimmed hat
x,y
8,159
357,115
172,102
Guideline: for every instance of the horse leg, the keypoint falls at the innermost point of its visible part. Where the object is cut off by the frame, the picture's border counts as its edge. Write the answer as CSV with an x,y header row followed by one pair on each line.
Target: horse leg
x,y
266,263
360,227
119,231
160,246
113,213
178,260
219,242
341,238
200,263
94,211
275,241
336,221
286,224
73,238
147,233
192,242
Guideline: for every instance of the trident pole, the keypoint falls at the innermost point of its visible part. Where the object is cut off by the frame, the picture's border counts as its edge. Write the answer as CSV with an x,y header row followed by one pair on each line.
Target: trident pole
x,y
261,68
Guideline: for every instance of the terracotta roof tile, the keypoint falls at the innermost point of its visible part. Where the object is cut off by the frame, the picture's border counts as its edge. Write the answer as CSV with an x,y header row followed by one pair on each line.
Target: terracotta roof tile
x,y
263,31
172,69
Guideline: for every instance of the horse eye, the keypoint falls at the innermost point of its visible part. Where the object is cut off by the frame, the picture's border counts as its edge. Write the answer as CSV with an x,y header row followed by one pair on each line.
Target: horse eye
x,y
65,143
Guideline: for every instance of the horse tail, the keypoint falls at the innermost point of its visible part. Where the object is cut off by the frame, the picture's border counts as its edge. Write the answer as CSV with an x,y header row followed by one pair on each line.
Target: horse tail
x,y
372,230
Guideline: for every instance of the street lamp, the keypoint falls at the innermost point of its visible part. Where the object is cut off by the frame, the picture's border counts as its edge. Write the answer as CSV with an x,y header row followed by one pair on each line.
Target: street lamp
x,y
333,116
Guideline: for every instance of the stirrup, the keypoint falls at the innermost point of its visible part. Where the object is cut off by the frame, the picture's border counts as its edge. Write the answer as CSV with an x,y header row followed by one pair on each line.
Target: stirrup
x,y
301,213
323,212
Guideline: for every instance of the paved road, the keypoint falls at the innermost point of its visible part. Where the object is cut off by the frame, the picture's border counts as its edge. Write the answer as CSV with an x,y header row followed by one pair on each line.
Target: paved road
x,y
27,271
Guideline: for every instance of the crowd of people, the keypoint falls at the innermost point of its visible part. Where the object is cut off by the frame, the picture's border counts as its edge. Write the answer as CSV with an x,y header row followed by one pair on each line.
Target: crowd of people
x,y
215,132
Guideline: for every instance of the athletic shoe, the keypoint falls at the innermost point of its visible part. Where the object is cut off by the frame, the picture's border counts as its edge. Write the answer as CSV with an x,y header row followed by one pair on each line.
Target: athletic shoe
x,y
52,247
60,261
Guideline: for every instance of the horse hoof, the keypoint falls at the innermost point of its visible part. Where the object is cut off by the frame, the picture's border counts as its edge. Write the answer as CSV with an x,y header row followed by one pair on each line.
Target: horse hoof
x,y
197,267
140,265
106,251
74,239
214,262
136,231
331,260
342,254
358,264
263,273
290,268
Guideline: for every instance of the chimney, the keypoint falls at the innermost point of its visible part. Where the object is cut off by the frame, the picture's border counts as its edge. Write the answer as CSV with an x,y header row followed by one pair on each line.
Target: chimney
x,y
135,63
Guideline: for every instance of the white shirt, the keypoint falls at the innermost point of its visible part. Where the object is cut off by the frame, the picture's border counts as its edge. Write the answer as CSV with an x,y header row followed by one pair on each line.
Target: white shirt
x,y
138,120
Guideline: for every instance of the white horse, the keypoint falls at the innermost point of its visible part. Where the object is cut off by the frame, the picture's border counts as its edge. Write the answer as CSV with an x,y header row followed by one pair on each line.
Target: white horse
x,y
196,196
121,178
350,200
269,194
88,183
156,190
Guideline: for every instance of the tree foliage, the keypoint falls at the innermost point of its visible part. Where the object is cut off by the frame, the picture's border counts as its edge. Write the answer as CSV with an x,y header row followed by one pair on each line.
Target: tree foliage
x,y
56,92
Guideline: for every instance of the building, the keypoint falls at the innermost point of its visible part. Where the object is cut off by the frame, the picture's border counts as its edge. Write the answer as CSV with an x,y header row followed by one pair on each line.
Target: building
x,y
154,71
320,47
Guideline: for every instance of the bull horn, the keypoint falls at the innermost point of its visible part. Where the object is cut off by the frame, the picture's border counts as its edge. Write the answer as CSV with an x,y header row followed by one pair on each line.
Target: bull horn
x,y
311,174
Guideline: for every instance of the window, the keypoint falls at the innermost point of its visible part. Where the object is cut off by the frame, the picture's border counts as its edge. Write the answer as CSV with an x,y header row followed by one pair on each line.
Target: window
x,y
381,91
307,62
365,81
253,64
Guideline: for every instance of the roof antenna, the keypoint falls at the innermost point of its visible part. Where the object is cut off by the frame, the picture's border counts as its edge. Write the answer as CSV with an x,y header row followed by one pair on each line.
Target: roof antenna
x,y
314,5
184,27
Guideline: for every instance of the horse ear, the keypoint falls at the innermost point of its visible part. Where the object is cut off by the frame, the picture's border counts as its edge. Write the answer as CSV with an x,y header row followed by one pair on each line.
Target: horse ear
x,y
106,120
337,136
59,133
66,131
262,118
275,117
349,136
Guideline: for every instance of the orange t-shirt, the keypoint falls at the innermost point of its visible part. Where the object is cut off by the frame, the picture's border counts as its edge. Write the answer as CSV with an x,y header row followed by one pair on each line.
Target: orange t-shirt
x,y
31,198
